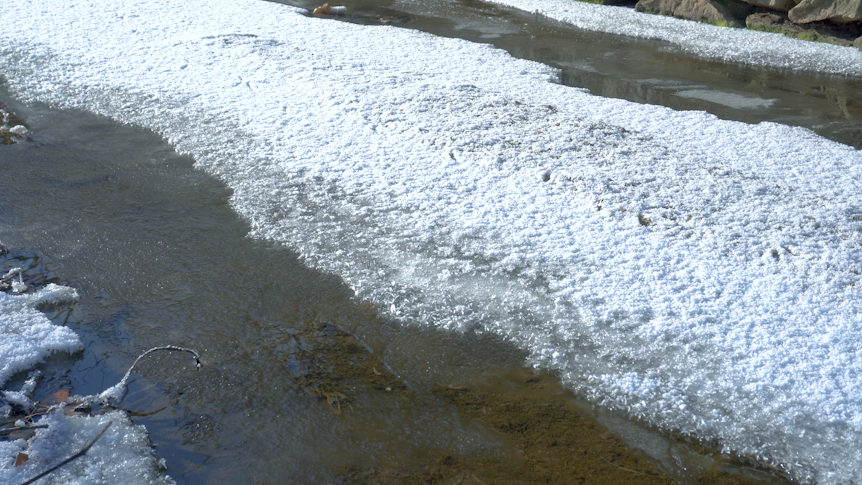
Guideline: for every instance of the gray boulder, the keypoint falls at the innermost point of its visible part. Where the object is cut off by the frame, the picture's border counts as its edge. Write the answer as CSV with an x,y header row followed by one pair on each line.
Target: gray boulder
x,y
839,11
778,22
782,5
661,7
858,43
711,11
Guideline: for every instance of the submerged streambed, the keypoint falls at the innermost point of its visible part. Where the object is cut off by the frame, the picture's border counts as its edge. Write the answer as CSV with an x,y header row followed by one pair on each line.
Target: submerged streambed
x,y
285,394
483,215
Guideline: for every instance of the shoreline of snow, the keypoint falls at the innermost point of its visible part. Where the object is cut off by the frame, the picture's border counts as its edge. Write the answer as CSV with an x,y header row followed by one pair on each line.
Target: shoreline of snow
x,y
122,455
699,274
726,44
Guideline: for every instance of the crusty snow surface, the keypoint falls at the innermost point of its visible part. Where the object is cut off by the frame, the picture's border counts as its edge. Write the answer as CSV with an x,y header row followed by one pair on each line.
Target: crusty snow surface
x,y
700,274
26,336
121,456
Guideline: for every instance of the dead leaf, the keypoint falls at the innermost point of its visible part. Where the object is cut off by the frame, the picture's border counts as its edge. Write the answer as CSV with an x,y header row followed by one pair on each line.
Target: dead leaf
x,y
22,458
60,396
325,9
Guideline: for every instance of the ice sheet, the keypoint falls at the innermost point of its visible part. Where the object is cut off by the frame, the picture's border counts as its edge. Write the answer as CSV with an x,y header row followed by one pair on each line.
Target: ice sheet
x,y
123,455
26,336
701,274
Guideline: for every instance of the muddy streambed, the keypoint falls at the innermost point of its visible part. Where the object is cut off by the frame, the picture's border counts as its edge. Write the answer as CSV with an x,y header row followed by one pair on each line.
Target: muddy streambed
x,y
300,383
643,71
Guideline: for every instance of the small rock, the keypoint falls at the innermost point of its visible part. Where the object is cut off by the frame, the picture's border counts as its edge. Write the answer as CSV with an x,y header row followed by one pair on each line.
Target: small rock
x,y
327,9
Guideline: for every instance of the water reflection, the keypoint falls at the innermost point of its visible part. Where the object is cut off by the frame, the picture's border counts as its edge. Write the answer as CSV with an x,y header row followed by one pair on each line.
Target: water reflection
x,y
642,71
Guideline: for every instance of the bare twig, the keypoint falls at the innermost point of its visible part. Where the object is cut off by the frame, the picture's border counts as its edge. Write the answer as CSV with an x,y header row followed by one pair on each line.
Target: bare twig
x,y
22,428
79,454
117,391
113,393
12,272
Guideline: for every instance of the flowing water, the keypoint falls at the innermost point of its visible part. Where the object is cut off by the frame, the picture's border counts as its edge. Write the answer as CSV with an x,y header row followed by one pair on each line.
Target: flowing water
x,y
634,69
159,257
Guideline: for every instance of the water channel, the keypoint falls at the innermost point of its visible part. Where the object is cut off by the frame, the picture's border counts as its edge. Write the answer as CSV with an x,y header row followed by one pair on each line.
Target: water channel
x,y
634,69
159,257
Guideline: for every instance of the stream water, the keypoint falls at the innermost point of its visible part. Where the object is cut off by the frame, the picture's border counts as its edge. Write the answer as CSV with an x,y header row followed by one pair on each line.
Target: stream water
x,y
159,257
635,69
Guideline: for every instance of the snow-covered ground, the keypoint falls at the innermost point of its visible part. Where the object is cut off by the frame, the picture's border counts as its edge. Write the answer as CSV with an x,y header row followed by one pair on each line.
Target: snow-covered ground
x,y
697,273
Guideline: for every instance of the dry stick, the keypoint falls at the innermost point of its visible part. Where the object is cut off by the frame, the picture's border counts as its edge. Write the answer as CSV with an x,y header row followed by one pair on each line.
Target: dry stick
x,y
122,384
22,428
11,274
8,276
79,454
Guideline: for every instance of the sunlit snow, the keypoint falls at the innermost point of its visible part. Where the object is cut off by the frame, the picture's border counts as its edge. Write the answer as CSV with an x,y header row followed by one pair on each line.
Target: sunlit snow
x,y
701,274
750,47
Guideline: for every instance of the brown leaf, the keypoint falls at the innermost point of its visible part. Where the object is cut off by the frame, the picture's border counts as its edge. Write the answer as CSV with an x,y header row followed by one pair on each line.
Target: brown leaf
x,y
60,396
22,458
325,9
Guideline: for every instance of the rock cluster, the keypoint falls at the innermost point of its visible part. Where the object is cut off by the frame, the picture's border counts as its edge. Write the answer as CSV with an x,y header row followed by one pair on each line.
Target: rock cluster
x,y
835,21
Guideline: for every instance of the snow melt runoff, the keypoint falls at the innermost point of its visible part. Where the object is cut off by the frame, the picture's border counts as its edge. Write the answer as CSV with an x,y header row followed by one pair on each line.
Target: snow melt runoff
x,y
700,274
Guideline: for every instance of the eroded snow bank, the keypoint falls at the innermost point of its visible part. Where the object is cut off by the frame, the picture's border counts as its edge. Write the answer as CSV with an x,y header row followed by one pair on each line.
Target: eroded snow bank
x,y
26,336
123,455
750,47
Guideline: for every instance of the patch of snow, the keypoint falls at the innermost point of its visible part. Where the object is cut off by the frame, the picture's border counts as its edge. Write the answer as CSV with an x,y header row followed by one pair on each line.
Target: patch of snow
x,y
122,456
19,130
26,335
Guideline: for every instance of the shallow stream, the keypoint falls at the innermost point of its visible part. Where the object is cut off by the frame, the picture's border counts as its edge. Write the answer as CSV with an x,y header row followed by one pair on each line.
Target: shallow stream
x,y
633,69
160,258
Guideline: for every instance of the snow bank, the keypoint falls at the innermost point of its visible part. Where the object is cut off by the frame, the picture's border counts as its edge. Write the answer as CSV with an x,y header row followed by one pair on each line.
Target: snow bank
x,y
123,455
700,274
